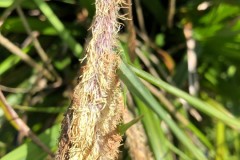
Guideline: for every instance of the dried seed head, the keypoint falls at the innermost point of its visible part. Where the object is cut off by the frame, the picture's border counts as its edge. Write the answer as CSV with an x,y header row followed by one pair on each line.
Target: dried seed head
x,y
138,147
89,127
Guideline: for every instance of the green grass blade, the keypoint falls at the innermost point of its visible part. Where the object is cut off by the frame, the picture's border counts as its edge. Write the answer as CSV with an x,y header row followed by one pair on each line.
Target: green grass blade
x,y
221,148
197,103
40,109
192,127
155,134
8,63
177,151
58,25
11,61
29,150
137,88
124,127
6,3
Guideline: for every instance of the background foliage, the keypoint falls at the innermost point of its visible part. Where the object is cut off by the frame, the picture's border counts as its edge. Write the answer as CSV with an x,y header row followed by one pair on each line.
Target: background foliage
x,y
178,125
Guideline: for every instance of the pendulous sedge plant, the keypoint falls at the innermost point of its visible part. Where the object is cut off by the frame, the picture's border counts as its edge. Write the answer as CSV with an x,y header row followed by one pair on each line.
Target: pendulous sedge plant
x,y
89,128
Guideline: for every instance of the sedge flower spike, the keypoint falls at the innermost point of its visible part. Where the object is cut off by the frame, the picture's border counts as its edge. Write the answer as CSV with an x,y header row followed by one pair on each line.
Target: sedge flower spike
x,y
89,128
138,147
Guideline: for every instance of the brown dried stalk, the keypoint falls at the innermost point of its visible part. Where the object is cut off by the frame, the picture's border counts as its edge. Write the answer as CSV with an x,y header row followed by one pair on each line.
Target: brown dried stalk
x,y
131,30
89,127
